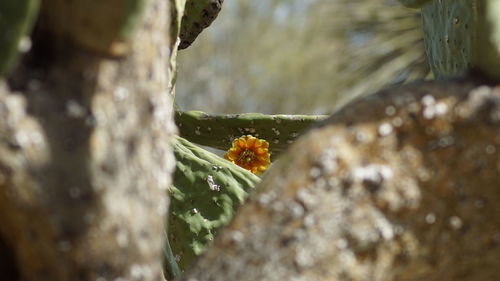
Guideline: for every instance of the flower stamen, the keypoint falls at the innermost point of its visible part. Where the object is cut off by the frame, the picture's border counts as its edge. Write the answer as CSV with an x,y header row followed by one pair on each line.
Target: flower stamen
x,y
249,153
246,157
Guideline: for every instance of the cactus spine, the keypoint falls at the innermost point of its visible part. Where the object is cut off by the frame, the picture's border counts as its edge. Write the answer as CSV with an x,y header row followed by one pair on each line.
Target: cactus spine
x,y
16,20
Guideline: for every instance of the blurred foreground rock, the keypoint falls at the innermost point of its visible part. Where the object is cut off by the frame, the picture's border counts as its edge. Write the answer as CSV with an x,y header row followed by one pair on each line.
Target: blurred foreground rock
x,y
402,185
85,159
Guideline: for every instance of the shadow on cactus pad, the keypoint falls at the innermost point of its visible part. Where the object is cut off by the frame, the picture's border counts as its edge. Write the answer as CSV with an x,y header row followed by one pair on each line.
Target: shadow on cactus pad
x,y
206,191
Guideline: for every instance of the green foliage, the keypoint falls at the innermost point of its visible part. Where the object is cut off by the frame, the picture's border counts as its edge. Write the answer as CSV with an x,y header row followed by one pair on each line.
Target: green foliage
x,y
459,35
206,191
284,61
16,20
298,57
303,55
198,15
219,131
287,47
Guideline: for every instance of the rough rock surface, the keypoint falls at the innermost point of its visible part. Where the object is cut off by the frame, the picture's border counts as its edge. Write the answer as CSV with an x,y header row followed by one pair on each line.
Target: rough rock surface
x,y
85,159
402,185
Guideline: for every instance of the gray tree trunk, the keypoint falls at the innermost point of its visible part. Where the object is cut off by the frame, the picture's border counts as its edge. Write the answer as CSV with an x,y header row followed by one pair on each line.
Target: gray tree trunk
x,y
85,159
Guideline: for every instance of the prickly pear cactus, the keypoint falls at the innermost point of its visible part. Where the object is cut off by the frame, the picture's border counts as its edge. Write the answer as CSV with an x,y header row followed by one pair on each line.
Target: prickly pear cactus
x,y
460,35
219,131
16,20
177,11
198,15
488,59
494,18
414,3
206,191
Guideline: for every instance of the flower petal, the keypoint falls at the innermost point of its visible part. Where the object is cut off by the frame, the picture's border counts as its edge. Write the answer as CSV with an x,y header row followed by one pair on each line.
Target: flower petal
x,y
249,153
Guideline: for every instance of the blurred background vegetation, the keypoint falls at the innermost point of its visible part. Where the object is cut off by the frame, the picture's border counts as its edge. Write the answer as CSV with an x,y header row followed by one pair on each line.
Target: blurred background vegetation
x,y
299,56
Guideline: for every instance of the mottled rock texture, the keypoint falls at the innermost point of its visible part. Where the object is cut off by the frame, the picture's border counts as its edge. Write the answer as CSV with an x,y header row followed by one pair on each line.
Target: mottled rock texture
x,y
85,157
402,185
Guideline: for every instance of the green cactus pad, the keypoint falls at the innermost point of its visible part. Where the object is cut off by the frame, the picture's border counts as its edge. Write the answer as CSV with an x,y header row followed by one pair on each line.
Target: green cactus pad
x,y
177,11
172,270
488,52
198,15
101,26
206,191
449,43
219,131
16,20
494,18
460,36
414,3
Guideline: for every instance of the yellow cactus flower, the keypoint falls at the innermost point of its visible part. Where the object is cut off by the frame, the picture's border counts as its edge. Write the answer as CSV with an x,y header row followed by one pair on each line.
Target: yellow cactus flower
x,y
249,153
